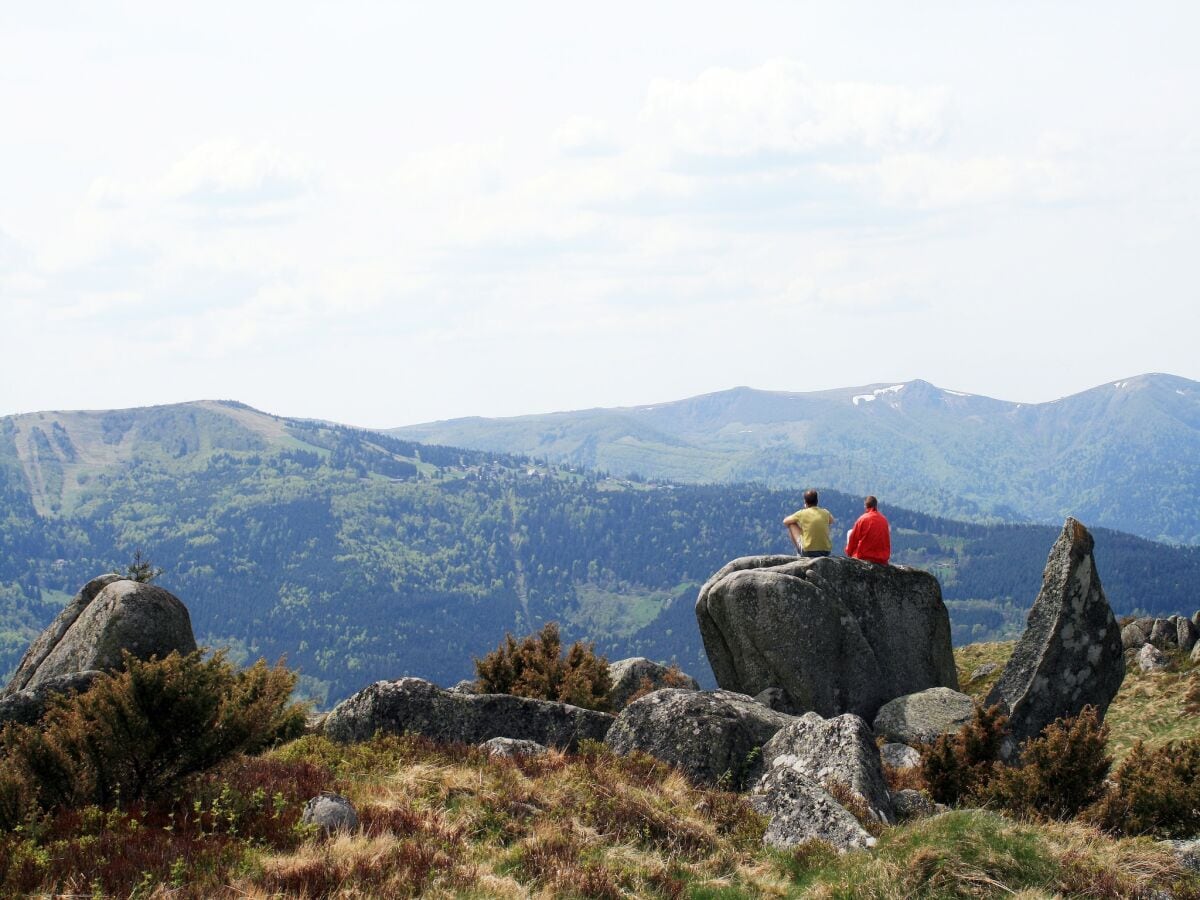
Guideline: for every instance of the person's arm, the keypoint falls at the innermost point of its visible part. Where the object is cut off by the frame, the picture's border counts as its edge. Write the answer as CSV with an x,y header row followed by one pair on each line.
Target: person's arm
x,y
852,541
790,520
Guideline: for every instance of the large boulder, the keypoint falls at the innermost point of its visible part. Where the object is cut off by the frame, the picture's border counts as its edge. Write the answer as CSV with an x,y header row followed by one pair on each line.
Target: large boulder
x,y
108,617
835,635
414,705
1164,634
1070,655
800,810
713,736
920,718
833,751
637,673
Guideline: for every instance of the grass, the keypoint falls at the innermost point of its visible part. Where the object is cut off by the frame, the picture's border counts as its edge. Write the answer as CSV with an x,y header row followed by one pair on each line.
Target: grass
x,y
450,821
1153,707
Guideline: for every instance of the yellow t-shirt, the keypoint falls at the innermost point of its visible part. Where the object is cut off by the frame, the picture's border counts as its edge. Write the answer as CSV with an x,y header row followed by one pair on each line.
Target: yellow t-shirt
x,y
814,527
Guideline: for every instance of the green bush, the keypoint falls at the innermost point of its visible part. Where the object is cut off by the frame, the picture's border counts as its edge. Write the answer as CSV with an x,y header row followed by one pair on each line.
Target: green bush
x,y
137,733
536,668
1154,792
1061,773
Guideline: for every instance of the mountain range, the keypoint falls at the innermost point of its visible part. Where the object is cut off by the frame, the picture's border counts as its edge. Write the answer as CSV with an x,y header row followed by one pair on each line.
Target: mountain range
x,y
361,556
1124,455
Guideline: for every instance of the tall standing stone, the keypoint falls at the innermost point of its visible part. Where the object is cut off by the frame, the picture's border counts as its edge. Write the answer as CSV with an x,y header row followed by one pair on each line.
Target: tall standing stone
x,y
1070,655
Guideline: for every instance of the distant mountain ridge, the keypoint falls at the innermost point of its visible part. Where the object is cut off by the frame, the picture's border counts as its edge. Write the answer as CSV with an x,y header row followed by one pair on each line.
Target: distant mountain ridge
x,y
1124,455
362,556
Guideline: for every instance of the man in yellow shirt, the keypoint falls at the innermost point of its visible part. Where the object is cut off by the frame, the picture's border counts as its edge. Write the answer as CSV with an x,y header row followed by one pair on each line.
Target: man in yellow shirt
x,y
809,527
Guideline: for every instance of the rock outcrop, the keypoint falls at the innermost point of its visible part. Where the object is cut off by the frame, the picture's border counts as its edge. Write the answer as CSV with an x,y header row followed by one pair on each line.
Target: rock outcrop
x,y
637,673
1070,655
28,706
835,635
420,707
920,718
713,736
108,616
801,810
833,751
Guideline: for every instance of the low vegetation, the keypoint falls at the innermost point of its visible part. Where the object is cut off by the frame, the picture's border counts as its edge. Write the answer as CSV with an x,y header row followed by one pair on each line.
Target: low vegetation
x,y
537,667
219,814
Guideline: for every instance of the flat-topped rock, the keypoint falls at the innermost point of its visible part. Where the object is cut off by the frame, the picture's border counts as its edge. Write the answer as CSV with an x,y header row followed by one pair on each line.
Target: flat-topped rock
x,y
834,635
414,705
922,717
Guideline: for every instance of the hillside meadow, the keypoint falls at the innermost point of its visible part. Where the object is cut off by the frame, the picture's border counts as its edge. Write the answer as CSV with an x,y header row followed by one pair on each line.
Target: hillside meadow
x,y
451,821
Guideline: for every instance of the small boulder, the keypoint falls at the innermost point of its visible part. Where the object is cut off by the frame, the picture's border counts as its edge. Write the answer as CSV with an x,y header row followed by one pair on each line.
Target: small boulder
x,y
801,810
1151,659
502,746
899,756
420,707
982,672
330,812
1196,619
1070,655
1186,634
910,804
108,617
840,750
1195,657
1133,636
466,686
922,717
629,676
711,735
1163,634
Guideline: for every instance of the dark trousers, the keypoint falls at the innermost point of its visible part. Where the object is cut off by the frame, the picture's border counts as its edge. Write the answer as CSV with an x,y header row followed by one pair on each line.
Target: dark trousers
x,y
815,553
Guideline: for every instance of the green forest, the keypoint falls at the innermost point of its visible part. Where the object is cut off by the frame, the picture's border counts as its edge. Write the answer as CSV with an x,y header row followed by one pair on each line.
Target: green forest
x,y
361,557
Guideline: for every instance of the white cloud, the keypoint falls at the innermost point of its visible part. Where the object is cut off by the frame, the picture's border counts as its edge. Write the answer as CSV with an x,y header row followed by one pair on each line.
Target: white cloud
x,y
584,136
231,172
778,110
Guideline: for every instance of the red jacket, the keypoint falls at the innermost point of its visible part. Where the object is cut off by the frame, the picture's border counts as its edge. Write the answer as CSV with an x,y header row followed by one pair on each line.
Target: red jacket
x,y
870,538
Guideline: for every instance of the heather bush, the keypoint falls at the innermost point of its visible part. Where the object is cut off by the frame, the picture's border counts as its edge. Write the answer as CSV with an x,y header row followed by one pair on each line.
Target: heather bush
x,y
1154,792
136,734
537,668
956,767
1061,773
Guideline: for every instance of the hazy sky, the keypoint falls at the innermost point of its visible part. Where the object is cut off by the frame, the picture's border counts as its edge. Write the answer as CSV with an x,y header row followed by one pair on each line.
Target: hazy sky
x,y
388,213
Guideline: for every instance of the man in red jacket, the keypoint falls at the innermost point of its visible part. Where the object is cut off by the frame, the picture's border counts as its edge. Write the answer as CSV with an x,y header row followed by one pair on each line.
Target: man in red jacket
x,y
870,538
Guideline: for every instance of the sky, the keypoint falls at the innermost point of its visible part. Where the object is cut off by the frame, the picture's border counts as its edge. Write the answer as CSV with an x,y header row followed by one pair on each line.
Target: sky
x,y
389,213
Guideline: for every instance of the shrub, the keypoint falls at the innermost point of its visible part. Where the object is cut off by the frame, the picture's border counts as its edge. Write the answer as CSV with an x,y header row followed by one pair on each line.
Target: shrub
x,y
1155,792
137,733
957,766
1061,772
140,569
674,677
536,668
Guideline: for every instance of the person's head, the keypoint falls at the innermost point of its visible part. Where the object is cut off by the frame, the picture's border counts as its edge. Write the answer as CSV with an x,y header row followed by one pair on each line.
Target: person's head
x,y
870,502
810,498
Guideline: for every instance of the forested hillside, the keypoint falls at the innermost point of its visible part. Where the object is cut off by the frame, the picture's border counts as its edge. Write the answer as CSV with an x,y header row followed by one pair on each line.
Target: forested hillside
x,y
1125,455
362,557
